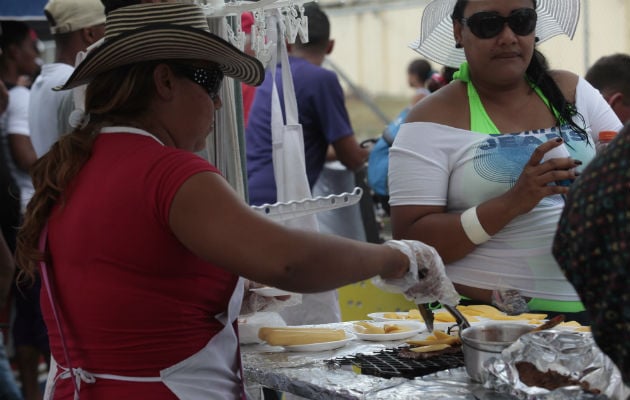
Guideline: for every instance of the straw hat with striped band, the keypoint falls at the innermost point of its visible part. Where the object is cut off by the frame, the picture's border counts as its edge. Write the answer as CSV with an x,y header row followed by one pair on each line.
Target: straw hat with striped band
x,y
163,31
437,43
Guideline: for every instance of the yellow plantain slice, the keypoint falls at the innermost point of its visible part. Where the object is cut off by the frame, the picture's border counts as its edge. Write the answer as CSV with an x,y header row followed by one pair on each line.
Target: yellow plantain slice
x,y
369,328
414,314
395,328
450,341
433,347
441,334
287,336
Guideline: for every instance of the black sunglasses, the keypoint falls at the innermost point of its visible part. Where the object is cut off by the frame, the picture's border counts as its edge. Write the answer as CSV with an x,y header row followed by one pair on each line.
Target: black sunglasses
x,y
208,78
486,25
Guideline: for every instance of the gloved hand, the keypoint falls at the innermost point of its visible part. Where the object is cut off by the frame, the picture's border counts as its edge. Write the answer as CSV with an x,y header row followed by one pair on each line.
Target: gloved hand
x,y
510,301
426,280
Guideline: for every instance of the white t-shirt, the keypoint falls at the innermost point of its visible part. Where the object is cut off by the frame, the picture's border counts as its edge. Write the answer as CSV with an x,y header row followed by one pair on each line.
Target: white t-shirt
x,y
15,121
51,109
437,165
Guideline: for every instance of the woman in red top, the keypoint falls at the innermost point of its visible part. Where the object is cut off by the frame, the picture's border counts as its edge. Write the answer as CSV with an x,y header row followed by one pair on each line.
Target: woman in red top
x,y
144,242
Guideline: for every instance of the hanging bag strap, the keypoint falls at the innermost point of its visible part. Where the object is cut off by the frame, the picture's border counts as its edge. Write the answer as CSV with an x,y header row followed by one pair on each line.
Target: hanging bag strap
x,y
43,238
288,90
277,121
277,35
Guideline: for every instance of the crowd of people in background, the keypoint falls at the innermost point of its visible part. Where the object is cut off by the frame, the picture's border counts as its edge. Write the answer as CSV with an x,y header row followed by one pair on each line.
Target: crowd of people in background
x,y
487,199
18,67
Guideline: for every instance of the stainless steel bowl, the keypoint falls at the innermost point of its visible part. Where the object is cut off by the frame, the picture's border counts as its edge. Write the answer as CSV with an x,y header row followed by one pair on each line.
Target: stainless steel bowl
x,y
483,342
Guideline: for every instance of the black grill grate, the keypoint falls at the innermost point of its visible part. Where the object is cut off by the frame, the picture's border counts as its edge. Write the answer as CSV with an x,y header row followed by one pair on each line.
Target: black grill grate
x,y
387,364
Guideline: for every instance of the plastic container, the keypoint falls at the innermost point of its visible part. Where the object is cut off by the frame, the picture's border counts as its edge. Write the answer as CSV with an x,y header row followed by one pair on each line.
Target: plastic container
x,y
558,152
604,138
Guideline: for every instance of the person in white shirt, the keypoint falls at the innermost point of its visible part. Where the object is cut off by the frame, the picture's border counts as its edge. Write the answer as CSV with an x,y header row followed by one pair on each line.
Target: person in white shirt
x,y
18,58
75,25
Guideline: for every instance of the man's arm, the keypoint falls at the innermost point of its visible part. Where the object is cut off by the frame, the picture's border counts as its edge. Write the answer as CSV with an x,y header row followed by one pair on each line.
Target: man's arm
x,y
350,153
22,151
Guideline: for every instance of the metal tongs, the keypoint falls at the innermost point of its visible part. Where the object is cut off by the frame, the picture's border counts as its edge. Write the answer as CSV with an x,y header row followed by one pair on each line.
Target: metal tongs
x,y
462,322
428,317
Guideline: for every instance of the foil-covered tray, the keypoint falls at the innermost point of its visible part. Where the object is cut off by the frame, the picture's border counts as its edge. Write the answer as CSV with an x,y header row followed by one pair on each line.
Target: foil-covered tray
x,y
555,365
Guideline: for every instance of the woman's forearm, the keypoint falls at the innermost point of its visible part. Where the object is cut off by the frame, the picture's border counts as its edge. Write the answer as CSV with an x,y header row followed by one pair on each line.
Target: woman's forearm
x,y
444,231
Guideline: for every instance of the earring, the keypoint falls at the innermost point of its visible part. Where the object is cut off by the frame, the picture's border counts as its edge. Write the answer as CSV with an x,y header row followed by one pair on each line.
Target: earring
x,y
458,45
536,39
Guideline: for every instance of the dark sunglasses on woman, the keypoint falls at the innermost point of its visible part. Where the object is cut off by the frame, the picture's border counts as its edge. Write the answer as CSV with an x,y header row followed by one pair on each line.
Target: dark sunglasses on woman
x,y
208,78
487,24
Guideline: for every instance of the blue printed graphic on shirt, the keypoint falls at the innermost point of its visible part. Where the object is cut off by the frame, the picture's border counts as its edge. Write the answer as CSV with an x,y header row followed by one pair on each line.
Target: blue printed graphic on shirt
x,y
502,157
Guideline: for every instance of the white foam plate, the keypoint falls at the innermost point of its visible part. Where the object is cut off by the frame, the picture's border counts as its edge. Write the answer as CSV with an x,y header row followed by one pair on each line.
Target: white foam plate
x,y
268,291
380,316
321,346
414,326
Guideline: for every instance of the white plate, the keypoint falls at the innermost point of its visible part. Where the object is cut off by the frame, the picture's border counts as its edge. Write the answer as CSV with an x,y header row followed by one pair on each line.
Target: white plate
x,y
268,291
414,326
321,346
380,316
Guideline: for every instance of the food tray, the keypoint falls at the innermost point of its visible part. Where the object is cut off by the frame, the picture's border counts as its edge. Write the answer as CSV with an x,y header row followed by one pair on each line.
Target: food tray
x,y
387,364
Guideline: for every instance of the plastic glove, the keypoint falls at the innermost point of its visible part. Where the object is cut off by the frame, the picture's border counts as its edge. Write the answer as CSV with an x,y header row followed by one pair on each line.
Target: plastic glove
x,y
426,280
509,301
253,302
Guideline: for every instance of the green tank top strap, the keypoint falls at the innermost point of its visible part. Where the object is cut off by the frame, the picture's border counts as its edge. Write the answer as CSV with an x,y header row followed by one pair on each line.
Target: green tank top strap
x,y
480,121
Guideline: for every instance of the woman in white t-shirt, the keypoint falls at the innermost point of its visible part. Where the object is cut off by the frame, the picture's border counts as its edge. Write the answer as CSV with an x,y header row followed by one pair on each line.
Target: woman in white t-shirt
x,y
467,173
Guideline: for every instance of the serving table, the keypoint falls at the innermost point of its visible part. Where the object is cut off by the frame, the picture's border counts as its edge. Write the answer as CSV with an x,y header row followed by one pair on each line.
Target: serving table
x,y
307,374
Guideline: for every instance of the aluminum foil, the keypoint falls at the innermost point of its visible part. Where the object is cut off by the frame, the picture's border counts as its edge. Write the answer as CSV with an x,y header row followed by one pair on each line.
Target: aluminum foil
x,y
569,353
309,376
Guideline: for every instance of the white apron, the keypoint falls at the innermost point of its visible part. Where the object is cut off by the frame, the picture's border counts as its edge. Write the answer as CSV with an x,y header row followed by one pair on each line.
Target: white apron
x,y
209,373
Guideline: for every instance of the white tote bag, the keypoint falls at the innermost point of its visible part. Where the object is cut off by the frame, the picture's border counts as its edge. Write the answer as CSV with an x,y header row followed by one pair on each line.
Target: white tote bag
x,y
289,165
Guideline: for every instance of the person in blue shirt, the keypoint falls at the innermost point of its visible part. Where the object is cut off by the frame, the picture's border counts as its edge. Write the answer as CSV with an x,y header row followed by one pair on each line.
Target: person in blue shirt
x,y
322,113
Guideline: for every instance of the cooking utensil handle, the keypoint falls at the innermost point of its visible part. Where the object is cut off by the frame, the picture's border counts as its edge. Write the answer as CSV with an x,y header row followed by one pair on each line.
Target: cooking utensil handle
x,y
462,322
427,315
550,324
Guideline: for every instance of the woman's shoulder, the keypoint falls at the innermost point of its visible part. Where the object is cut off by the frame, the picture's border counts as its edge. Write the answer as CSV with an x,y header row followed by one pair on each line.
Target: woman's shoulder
x,y
567,81
447,106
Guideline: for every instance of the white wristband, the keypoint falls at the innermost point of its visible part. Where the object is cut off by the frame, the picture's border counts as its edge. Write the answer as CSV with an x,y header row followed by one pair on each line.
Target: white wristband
x,y
472,227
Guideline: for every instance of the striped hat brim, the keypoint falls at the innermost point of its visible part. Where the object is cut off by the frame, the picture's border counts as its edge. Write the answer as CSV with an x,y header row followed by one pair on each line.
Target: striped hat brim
x,y
165,41
437,43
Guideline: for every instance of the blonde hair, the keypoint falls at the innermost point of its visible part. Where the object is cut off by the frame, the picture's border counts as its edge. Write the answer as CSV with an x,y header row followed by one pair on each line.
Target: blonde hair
x,y
118,96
